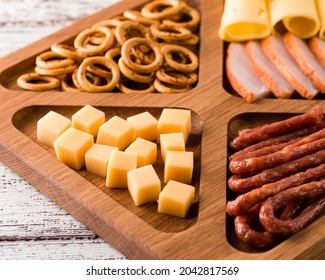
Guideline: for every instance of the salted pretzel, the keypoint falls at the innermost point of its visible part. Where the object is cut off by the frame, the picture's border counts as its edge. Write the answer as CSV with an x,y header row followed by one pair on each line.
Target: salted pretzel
x,y
36,82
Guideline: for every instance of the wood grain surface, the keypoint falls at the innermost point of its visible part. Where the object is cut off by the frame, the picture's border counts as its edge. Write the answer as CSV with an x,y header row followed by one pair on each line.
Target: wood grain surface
x,y
142,233
31,225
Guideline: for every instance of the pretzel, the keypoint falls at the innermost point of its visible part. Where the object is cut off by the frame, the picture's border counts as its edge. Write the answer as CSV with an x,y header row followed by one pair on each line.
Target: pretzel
x,y
56,71
167,51
132,75
66,51
165,32
88,50
137,16
124,88
25,81
52,60
134,42
68,85
123,31
176,78
152,9
168,88
109,63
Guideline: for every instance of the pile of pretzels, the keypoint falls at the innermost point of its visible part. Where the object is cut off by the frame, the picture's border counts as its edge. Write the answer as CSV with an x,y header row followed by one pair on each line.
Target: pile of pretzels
x,y
153,49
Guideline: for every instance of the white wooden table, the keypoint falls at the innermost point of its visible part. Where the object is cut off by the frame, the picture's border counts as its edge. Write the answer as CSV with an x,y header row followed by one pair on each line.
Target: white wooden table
x,y
32,226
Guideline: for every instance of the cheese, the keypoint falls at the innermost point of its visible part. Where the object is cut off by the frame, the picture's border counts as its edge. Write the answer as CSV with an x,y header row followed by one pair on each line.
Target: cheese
x,y
116,132
145,150
97,157
144,185
88,119
171,142
175,120
244,20
178,166
51,126
299,17
145,126
119,164
176,199
71,147
320,5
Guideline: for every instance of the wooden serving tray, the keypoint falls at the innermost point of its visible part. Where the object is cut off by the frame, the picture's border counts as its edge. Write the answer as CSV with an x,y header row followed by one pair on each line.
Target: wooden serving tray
x,y
141,232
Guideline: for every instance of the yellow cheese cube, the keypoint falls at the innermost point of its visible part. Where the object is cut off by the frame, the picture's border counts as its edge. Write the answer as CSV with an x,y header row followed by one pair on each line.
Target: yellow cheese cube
x,y
71,147
119,164
51,126
145,150
88,119
176,199
178,166
144,185
116,132
175,120
171,142
145,126
97,158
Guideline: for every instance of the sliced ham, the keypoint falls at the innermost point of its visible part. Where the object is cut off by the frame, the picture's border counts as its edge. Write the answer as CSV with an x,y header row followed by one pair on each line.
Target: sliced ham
x,y
241,74
276,51
317,46
267,71
305,59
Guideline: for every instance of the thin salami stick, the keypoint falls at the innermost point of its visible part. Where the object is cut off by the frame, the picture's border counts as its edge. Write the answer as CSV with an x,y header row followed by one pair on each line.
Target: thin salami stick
x,y
308,215
242,185
254,135
289,153
246,201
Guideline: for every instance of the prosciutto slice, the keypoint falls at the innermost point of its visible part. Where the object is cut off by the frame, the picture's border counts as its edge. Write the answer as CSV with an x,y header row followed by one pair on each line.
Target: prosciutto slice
x,y
267,71
241,74
276,51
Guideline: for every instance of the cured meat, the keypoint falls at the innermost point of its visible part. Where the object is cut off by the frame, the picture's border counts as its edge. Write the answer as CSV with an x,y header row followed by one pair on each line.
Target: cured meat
x,y
305,59
267,71
246,201
254,135
267,212
241,74
317,46
242,185
277,52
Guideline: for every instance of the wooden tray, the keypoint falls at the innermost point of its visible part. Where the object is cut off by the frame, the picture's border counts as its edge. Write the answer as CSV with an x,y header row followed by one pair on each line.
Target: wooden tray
x,y
141,232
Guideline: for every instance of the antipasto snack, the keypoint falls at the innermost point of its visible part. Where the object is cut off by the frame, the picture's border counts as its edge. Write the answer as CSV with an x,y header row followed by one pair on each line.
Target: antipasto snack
x,y
153,49
281,198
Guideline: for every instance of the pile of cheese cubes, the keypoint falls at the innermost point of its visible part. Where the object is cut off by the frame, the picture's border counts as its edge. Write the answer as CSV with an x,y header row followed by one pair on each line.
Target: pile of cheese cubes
x,y
124,150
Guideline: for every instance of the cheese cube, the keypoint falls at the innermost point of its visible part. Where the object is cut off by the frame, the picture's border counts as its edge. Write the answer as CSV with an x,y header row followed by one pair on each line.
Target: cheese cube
x,y
171,142
145,150
178,166
97,158
119,164
145,126
88,119
144,185
116,132
71,147
176,199
175,120
51,126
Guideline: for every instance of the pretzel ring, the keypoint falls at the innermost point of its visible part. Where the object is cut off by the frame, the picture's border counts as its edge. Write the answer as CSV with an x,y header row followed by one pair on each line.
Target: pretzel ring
x,y
133,42
167,51
123,31
68,85
152,9
176,78
66,51
94,79
51,60
168,88
88,50
113,53
56,71
189,12
164,31
131,75
126,89
137,16
26,82
109,23
193,40
107,62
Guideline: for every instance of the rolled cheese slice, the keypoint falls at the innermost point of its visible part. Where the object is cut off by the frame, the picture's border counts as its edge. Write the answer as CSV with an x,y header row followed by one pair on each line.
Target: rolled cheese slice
x,y
320,4
244,20
297,16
